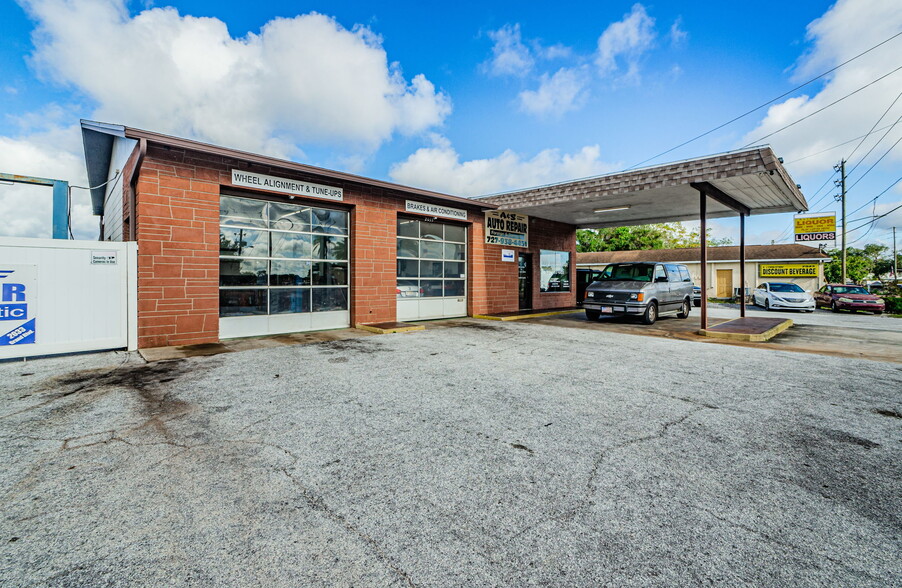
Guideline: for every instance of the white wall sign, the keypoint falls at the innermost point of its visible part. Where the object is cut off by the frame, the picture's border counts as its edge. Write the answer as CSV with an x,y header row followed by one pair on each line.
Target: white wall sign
x,y
435,210
17,304
104,258
253,180
506,228
507,255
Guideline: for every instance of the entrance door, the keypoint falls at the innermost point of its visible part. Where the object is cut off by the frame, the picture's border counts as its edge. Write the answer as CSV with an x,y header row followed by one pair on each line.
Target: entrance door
x,y
725,283
524,271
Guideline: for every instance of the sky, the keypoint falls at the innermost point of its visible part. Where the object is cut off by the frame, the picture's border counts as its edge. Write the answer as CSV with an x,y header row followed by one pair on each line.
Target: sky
x,y
479,99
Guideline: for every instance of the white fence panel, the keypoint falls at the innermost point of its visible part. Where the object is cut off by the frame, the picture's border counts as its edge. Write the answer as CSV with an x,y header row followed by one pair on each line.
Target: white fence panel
x,y
67,296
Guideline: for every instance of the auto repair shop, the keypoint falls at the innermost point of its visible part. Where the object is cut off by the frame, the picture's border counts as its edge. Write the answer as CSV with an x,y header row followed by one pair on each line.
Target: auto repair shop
x,y
236,244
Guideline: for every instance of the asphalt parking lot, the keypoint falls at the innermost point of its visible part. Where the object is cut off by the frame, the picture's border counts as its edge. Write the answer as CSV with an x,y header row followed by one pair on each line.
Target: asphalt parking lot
x,y
472,453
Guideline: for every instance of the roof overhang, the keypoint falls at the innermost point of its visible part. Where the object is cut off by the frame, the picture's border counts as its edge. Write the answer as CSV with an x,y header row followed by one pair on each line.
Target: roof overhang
x,y
752,180
98,141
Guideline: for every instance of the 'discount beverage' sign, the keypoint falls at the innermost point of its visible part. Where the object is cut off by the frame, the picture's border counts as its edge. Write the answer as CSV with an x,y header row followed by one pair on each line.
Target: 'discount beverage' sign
x,y
17,304
815,227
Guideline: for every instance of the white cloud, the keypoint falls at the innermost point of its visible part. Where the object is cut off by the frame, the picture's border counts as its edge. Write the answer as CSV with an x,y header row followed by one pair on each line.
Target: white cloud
x,y
678,36
439,168
625,41
510,57
53,153
844,31
557,94
269,92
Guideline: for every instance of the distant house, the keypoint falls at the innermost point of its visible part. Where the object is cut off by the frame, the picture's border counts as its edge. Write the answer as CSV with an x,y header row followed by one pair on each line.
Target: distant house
x,y
798,264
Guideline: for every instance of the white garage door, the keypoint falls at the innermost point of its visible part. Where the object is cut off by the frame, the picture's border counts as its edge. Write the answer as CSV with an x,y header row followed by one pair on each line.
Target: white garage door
x,y
432,270
283,268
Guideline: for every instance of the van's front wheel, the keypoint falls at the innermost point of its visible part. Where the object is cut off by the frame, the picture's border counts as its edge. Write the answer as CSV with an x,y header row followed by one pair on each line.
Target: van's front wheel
x,y
651,314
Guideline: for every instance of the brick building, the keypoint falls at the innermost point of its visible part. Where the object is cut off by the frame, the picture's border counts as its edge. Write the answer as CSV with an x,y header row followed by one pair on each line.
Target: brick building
x,y
234,244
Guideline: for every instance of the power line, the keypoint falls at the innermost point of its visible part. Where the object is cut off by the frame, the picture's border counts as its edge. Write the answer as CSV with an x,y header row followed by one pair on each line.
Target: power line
x,y
717,128
873,165
874,199
819,110
869,133
872,130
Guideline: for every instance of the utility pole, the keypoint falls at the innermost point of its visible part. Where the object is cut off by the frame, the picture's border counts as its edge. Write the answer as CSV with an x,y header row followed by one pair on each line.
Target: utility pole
x,y
842,199
895,262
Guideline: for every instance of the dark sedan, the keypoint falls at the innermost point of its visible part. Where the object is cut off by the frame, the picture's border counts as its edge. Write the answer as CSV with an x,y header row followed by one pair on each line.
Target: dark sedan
x,y
847,297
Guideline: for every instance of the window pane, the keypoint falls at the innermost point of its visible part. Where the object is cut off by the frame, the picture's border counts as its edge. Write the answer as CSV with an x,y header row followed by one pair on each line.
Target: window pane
x,y
243,242
408,289
330,299
242,302
289,217
431,288
454,287
455,233
330,247
242,272
291,245
330,274
408,268
408,248
454,251
555,271
431,231
455,269
290,273
430,250
330,221
242,211
408,228
430,269
285,300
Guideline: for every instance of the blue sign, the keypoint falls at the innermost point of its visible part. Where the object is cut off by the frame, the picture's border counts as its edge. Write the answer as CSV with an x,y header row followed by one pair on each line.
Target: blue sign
x,y
17,293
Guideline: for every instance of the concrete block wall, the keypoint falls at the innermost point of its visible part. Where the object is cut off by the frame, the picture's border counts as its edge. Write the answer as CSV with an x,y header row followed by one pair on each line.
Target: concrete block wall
x,y
178,194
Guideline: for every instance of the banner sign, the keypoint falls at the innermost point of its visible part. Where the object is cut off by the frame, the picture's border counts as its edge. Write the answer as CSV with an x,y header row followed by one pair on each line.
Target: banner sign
x,y
788,270
506,228
819,226
17,304
254,180
435,210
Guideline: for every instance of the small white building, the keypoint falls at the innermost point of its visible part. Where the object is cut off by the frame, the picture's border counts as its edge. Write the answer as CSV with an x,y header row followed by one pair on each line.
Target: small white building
x,y
797,264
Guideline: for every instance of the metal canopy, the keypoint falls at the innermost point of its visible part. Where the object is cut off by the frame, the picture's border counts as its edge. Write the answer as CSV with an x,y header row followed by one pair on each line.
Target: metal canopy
x,y
752,180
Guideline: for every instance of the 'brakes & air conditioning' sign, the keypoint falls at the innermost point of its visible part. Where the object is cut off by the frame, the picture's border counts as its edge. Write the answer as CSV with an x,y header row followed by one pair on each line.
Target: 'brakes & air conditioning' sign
x,y
17,304
815,227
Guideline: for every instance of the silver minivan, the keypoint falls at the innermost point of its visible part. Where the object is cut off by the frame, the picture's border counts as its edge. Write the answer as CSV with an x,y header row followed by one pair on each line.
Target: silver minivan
x,y
642,289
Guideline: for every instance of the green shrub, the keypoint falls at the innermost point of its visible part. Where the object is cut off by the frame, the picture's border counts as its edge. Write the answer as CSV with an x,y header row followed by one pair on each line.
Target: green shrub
x,y
893,304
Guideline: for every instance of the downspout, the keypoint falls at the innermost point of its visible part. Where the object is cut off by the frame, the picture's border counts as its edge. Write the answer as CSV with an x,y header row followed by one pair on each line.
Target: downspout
x,y
132,192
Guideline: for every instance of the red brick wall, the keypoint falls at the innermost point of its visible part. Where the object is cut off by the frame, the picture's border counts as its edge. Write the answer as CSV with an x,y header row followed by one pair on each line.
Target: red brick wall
x,y
496,284
178,249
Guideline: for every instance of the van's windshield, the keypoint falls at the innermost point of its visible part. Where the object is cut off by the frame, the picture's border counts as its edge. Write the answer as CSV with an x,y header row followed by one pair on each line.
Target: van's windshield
x,y
636,272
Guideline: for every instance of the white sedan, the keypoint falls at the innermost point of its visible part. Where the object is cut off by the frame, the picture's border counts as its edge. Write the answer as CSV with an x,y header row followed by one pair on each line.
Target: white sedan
x,y
782,295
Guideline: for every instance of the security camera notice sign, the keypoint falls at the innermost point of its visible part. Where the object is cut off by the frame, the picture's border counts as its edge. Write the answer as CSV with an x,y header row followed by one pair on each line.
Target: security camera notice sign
x,y
17,304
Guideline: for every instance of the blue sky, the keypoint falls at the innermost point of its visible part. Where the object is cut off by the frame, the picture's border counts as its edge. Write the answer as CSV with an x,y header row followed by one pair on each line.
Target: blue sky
x,y
487,97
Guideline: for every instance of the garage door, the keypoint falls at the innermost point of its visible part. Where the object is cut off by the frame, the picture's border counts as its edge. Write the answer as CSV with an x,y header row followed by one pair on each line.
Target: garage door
x,y
432,270
283,268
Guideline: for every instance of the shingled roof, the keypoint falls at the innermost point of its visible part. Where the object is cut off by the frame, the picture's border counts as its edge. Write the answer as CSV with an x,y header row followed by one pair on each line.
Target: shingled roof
x,y
790,251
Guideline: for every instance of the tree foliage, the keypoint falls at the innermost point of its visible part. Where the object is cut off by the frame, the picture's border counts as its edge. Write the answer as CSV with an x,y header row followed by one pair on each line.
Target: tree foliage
x,y
873,260
639,237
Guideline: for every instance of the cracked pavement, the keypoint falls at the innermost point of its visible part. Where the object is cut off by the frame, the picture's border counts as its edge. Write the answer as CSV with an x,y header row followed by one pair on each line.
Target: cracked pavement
x,y
472,453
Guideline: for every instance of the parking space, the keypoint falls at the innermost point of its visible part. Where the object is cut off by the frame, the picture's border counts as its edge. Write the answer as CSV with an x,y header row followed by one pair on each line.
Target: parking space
x,y
854,335
472,453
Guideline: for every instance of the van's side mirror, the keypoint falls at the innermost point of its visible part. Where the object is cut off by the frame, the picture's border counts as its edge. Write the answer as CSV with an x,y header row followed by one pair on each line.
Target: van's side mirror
x,y
661,279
